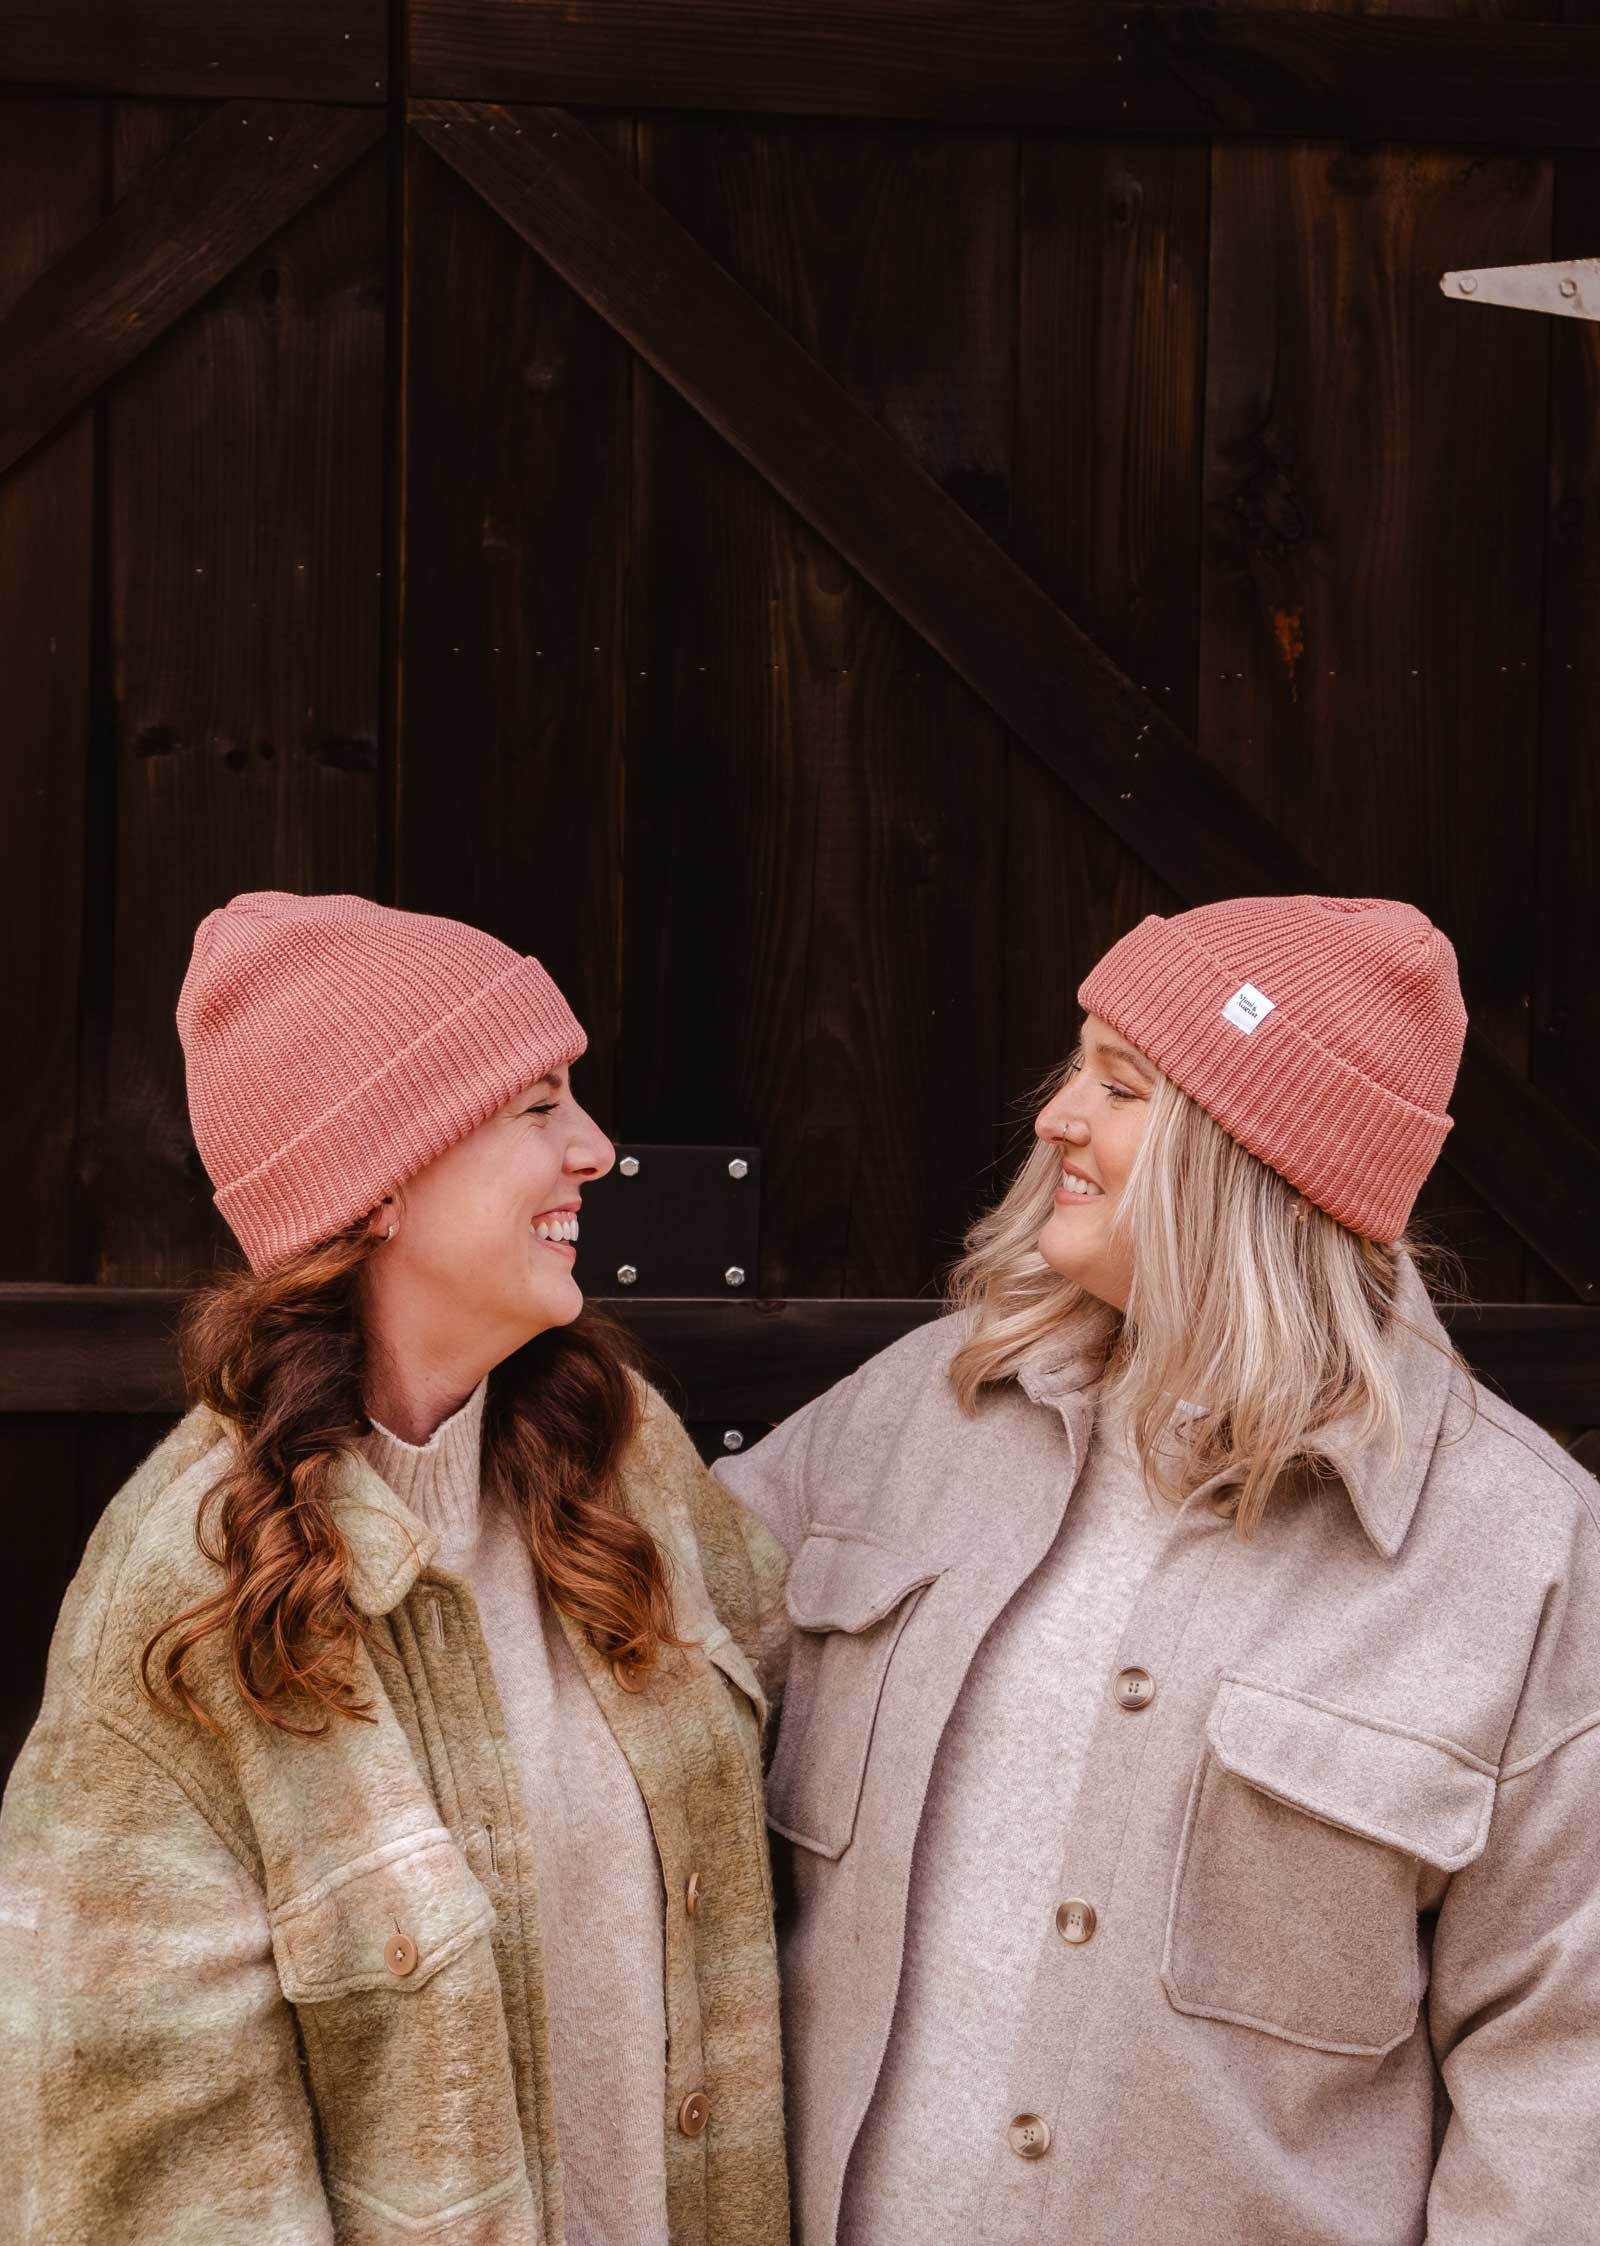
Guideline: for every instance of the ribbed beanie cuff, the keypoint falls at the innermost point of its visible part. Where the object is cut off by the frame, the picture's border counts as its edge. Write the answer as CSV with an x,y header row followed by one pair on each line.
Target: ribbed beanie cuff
x,y
335,1047
1339,1083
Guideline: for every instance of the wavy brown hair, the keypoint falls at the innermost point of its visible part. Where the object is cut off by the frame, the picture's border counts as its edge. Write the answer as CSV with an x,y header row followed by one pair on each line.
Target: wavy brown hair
x,y
280,1357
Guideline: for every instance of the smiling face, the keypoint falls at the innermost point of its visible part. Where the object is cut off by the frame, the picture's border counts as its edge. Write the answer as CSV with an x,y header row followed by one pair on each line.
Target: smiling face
x,y
484,1242
1096,1121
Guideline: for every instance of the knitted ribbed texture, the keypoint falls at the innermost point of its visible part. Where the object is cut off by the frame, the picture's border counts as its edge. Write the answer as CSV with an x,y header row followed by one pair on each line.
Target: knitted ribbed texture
x,y
1340,1087
335,1047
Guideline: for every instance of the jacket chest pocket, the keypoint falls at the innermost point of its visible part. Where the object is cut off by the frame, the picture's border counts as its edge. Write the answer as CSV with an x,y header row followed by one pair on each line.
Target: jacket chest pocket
x,y
849,1598
1294,1901
390,1969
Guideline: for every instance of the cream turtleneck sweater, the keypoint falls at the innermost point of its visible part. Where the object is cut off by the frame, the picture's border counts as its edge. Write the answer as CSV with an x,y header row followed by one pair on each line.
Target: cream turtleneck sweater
x,y
598,1877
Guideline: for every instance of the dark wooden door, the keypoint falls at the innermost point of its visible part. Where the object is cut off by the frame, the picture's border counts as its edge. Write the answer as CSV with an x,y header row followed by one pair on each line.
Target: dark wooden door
x,y
812,520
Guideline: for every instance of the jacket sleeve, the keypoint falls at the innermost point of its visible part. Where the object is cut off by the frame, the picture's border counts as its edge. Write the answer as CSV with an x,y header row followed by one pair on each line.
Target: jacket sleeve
x,y
150,2082
1514,2011
771,1478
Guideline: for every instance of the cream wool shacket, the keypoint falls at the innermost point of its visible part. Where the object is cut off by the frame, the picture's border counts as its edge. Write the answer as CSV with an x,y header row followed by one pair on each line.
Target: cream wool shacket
x,y
988,1872
598,1875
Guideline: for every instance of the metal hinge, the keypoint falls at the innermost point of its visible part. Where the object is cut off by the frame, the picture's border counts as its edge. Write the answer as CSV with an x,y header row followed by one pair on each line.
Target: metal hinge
x,y
1569,288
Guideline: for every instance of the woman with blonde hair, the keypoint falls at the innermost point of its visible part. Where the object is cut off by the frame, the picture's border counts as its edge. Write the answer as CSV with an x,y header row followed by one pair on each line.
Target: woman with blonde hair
x,y
1193,1727
387,1860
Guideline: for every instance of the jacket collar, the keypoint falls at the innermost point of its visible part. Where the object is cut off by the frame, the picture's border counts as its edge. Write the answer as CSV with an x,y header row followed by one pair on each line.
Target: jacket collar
x,y
388,1546
1384,1494
1062,1365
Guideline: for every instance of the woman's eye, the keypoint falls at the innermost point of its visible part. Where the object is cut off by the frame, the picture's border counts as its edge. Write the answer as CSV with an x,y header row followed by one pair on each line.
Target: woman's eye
x,y
1117,1093
548,1108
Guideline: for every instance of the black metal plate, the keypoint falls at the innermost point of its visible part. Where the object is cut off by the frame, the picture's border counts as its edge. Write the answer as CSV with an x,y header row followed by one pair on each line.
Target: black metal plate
x,y
681,1223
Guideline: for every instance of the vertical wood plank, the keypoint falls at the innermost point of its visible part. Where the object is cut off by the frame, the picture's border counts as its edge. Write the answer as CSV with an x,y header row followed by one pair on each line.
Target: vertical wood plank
x,y
1107,519
1566,1023
51,174
815,825
1374,517
39,1514
510,772
244,555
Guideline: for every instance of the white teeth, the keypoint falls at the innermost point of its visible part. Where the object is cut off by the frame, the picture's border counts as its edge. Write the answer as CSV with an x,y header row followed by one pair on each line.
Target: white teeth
x,y
1080,1187
557,1228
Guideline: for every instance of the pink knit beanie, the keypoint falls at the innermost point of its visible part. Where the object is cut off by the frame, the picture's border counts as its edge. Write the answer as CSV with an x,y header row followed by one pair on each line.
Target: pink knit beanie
x,y
1323,1033
335,1046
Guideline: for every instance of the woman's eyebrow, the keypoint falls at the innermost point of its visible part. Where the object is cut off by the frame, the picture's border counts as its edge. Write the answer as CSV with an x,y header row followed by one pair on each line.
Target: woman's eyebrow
x,y
1139,1066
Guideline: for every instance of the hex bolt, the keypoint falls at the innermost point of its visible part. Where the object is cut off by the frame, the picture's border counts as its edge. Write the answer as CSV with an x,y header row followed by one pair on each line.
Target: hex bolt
x,y
629,1165
734,1275
738,1167
1569,287
1469,284
732,1440
626,1274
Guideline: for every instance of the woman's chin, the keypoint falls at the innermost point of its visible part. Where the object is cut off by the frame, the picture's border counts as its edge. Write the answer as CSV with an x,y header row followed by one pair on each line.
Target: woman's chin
x,y
1061,1250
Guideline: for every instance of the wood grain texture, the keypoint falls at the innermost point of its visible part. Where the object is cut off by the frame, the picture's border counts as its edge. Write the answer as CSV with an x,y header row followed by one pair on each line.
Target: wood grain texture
x,y
994,63
814,852
1374,521
311,50
244,475
1034,666
38,1490
1565,920
510,782
839,468
51,182
226,187
1106,520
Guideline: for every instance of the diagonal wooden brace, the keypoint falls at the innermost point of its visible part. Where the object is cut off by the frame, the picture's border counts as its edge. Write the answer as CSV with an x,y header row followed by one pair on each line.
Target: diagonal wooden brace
x,y
614,244
179,231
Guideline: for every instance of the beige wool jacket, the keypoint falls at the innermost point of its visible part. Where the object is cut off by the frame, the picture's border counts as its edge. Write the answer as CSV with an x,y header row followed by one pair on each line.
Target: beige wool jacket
x,y
379,2072
1341,1985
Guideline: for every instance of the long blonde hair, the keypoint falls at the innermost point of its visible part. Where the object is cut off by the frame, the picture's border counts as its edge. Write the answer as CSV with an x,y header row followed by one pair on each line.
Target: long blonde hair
x,y
1245,1299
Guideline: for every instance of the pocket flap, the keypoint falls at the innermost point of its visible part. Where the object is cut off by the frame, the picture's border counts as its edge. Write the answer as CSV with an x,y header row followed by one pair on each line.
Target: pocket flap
x,y
337,1936
840,1580
1408,1791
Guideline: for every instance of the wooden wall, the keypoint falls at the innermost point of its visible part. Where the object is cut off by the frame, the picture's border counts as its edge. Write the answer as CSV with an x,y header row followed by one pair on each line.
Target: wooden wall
x,y
383,560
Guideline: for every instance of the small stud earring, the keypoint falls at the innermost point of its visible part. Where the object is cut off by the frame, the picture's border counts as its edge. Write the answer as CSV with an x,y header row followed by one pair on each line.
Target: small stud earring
x,y
393,1229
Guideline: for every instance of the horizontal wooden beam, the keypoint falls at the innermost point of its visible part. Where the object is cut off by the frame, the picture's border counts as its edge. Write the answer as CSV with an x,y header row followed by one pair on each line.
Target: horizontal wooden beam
x,y
181,229
627,257
307,50
110,1349
1298,73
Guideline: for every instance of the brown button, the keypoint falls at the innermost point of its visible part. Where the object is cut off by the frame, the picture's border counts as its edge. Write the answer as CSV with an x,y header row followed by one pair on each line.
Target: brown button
x,y
1029,2136
1076,1922
694,2113
691,1894
1136,1688
400,1954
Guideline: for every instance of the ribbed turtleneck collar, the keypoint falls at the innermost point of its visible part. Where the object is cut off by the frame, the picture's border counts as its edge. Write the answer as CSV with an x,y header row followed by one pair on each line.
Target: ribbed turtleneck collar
x,y
438,1480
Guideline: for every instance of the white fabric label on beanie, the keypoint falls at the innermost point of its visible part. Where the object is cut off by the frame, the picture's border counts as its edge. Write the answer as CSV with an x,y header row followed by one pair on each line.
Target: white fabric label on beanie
x,y
1248,1008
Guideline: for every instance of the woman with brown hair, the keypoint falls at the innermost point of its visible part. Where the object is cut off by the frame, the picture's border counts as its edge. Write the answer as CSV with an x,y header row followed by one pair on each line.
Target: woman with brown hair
x,y
387,1859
